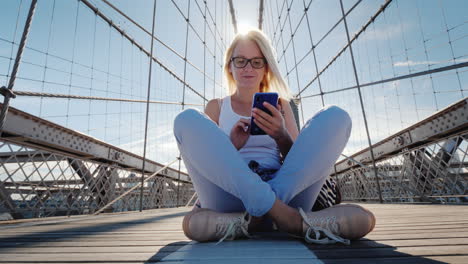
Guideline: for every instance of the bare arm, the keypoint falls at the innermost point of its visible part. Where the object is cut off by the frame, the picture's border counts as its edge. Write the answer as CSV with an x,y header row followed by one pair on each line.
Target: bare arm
x,y
212,110
284,143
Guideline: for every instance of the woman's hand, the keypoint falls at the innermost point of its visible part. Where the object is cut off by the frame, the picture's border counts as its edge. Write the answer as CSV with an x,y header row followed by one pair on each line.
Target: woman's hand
x,y
273,125
240,133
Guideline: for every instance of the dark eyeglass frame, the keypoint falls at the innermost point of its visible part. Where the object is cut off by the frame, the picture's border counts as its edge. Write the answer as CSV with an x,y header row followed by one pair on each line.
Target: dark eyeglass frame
x,y
249,61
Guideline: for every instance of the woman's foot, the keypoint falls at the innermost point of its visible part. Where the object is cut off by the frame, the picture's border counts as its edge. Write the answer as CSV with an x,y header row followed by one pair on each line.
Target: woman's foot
x,y
339,223
286,218
206,225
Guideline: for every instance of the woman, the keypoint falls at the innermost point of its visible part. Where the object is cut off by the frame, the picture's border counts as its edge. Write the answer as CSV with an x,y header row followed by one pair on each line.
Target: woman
x,y
217,149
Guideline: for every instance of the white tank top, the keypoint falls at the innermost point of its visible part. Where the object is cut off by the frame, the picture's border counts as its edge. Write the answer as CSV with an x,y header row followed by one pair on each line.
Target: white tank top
x,y
263,149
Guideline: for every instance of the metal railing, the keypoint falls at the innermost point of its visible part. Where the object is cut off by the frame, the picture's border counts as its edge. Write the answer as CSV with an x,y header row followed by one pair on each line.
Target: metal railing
x,y
426,162
42,183
49,170
436,172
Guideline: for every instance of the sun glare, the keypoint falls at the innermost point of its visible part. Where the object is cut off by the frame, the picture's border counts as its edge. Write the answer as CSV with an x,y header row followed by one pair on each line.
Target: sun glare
x,y
244,27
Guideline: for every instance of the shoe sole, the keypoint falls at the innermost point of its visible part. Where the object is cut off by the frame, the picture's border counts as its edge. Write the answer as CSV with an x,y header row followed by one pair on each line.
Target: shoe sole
x,y
186,221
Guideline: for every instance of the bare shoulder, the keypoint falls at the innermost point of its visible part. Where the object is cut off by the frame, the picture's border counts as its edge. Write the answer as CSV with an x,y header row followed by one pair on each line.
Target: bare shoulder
x,y
212,109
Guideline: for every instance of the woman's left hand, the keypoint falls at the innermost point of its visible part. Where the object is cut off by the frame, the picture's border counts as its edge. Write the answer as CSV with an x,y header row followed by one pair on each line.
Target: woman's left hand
x,y
273,125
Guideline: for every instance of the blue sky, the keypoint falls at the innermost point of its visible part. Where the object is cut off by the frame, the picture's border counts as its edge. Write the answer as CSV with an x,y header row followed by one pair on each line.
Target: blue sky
x,y
72,51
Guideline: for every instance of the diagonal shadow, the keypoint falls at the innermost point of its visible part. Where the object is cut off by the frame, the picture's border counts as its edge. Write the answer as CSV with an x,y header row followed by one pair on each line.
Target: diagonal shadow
x,y
166,251
365,251
25,240
360,251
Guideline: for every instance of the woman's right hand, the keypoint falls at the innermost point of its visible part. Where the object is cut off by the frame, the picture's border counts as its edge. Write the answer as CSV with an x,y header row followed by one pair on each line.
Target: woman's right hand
x,y
240,133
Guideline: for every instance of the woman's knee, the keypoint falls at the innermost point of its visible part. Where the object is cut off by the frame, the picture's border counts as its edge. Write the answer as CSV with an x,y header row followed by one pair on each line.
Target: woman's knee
x,y
339,115
184,118
332,118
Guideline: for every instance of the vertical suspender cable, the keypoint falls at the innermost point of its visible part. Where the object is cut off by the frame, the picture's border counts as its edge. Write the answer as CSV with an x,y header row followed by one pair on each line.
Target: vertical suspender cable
x,y
14,36
299,100
204,55
183,92
70,80
214,51
306,9
360,99
450,42
44,73
260,15
7,92
407,59
424,40
233,15
147,109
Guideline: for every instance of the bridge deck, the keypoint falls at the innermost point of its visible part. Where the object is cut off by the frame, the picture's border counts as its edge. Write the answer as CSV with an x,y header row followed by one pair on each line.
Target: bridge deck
x,y
404,234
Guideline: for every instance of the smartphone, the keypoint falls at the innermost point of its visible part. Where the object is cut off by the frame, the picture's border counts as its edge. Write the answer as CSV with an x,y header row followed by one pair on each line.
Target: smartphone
x,y
257,102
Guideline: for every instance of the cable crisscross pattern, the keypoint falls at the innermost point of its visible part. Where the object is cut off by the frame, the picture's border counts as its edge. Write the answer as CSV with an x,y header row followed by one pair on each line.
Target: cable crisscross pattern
x,y
325,227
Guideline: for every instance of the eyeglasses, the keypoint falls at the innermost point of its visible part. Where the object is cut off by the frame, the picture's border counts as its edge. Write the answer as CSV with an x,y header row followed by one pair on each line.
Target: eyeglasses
x,y
256,63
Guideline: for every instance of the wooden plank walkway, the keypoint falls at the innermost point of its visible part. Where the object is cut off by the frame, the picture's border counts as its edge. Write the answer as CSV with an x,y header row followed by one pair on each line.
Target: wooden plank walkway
x,y
403,234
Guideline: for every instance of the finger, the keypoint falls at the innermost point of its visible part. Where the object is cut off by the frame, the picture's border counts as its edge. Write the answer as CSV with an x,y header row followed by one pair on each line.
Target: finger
x,y
263,117
262,114
263,127
243,125
274,111
238,125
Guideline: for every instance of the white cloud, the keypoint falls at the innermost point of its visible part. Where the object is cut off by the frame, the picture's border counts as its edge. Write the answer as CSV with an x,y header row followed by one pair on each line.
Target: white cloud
x,y
415,63
387,32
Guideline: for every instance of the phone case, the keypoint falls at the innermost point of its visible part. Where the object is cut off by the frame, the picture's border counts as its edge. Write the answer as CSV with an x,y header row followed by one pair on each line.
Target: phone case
x,y
257,102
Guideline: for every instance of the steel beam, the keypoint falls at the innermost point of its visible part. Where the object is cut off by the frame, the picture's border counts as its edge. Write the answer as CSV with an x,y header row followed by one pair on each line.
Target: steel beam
x,y
28,156
450,120
26,129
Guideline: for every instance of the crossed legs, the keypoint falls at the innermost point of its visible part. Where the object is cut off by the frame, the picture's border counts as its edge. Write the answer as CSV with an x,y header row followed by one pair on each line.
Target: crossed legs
x,y
225,184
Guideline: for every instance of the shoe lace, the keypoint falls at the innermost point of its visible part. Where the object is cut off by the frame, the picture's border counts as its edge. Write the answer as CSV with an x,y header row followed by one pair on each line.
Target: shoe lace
x,y
236,227
322,226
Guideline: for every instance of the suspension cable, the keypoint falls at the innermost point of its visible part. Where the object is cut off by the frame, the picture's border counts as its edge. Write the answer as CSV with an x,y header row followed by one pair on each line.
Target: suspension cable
x,y
361,101
112,24
145,140
156,38
8,92
382,8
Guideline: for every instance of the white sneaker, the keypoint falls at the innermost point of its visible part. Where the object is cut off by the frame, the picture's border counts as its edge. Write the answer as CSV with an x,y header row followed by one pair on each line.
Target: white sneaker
x,y
206,225
339,223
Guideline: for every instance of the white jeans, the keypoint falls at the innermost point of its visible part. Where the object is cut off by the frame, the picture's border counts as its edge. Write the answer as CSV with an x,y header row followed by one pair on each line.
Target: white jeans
x,y
224,182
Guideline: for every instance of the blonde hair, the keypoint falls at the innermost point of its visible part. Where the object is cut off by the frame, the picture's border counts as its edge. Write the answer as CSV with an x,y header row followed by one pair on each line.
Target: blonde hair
x,y
272,80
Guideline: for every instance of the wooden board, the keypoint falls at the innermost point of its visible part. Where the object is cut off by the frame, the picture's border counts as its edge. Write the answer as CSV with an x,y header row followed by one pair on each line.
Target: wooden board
x,y
405,233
